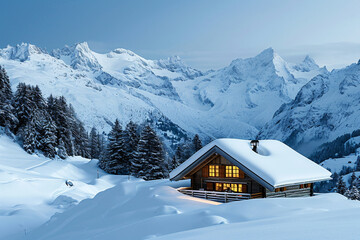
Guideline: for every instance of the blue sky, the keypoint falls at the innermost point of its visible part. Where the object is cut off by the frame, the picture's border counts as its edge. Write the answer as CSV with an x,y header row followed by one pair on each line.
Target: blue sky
x,y
206,34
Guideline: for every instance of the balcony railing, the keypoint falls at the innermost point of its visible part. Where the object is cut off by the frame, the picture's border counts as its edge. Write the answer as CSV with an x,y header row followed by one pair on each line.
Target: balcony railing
x,y
219,196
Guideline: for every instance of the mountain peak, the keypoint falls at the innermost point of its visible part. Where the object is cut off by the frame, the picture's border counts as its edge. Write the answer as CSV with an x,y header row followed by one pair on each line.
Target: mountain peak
x,y
306,65
20,52
122,51
268,53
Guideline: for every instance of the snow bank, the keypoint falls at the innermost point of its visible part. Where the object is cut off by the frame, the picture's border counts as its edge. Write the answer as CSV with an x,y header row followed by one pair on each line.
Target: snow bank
x,y
153,210
33,187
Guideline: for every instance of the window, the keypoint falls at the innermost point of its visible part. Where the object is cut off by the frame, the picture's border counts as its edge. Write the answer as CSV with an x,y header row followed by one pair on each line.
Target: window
x,y
236,171
213,170
232,171
235,187
228,171
226,186
283,189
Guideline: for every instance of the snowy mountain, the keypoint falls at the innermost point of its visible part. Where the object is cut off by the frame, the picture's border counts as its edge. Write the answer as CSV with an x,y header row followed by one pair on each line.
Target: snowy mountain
x,y
244,89
325,108
179,100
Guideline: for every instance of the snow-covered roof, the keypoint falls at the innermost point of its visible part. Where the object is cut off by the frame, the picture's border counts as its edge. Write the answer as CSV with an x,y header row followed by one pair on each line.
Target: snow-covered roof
x,y
275,163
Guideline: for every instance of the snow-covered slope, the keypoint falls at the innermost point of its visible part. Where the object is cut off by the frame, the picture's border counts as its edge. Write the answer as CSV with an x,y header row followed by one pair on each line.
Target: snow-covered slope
x,y
152,210
33,187
325,108
230,102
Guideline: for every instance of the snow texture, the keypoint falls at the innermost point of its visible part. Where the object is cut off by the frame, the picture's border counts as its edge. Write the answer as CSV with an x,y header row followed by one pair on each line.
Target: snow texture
x,y
152,210
275,162
33,187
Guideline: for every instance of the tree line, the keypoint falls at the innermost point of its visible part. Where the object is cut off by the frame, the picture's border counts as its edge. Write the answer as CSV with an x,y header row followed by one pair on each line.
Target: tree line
x,y
47,125
50,126
138,151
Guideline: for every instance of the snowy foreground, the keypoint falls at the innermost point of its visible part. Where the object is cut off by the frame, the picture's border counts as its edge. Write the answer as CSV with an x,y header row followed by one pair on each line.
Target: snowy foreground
x,y
33,190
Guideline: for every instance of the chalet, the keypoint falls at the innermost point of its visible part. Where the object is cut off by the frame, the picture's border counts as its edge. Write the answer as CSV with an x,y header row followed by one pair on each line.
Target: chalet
x,y
233,169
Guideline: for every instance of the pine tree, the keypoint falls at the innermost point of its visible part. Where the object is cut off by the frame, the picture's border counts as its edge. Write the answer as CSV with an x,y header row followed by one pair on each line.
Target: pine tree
x,y
111,163
174,163
347,193
178,155
60,150
48,139
132,139
197,143
64,122
150,156
94,143
341,187
30,136
352,179
7,116
354,193
23,105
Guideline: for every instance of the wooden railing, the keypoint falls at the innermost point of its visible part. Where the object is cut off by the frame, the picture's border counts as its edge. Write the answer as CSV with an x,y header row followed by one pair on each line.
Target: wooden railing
x,y
219,196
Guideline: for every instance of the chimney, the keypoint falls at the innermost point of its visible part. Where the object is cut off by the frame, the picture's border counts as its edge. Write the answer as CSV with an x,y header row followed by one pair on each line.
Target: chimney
x,y
254,144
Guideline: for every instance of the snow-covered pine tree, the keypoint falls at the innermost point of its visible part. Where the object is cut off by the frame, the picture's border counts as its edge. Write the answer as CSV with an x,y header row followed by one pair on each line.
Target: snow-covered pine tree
x,y
131,139
80,135
94,143
30,136
48,138
347,193
174,163
24,106
111,162
354,193
102,146
341,186
60,150
197,143
63,120
7,116
352,179
37,98
179,155
150,155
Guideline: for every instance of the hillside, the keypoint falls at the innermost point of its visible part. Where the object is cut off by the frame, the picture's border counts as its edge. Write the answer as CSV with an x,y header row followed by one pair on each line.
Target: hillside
x,y
33,187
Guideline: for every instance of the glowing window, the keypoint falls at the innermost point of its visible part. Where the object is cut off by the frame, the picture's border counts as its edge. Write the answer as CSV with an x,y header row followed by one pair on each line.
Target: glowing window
x,y
240,188
226,186
213,170
234,187
228,171
235,171
218,186
232,172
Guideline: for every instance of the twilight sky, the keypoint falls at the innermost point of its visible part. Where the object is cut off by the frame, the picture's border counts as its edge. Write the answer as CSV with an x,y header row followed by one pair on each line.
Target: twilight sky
x,y
205,33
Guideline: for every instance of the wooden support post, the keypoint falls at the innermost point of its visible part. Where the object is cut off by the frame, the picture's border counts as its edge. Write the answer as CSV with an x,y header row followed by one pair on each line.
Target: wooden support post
x,y
225,197
205,194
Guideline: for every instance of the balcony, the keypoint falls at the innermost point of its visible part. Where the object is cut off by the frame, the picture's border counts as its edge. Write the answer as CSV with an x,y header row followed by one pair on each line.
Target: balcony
x,y
223,197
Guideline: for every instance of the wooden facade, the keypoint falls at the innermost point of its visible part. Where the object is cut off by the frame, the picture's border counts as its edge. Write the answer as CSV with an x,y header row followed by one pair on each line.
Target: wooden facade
x,y
218,174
